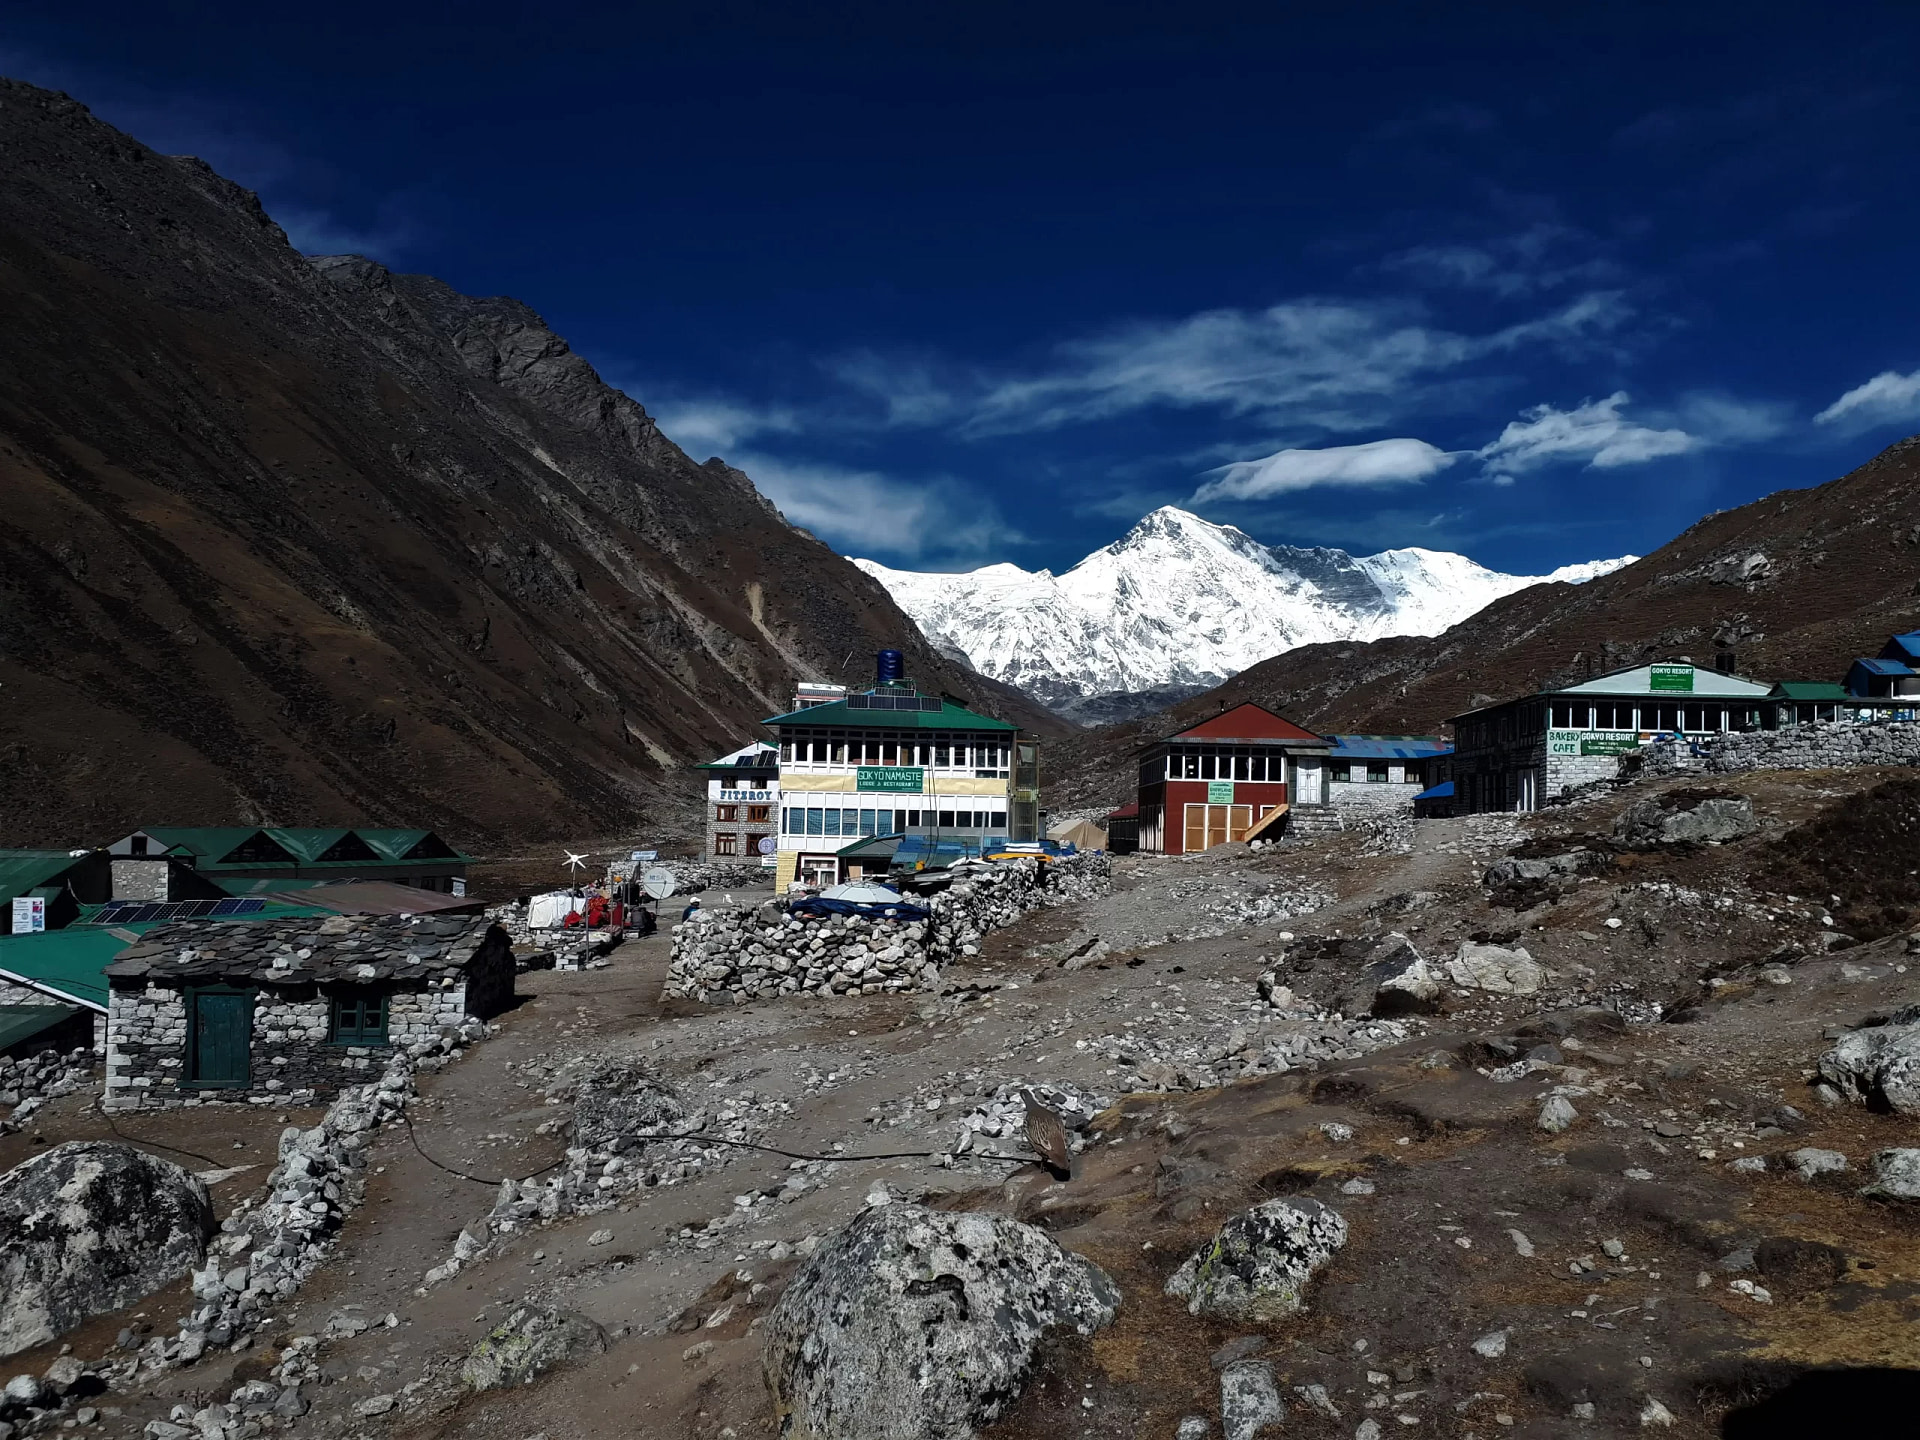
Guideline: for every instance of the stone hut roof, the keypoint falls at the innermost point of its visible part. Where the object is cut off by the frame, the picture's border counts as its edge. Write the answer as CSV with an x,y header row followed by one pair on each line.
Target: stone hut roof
x,y
416,949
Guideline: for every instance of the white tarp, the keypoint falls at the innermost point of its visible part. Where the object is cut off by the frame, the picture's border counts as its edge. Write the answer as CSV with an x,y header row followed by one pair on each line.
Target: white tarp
x,y
547,912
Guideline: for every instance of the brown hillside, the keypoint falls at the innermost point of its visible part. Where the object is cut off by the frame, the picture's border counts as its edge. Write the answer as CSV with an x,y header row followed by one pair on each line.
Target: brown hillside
x,y
302,541
1794,585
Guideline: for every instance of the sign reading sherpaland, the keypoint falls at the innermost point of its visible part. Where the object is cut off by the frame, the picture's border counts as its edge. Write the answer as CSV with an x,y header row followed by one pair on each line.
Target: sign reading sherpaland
x,y
891,779
1677,678
1220,792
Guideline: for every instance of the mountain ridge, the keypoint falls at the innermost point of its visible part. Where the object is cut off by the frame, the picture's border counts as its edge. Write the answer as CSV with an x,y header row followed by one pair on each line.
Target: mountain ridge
x,y
299,540
1179,603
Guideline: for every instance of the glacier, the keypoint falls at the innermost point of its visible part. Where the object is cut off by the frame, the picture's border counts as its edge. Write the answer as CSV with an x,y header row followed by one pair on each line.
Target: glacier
x,y
1179,604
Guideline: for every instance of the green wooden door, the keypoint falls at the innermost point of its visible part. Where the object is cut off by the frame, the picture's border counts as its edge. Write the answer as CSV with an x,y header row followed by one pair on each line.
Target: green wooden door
x,y
221,1039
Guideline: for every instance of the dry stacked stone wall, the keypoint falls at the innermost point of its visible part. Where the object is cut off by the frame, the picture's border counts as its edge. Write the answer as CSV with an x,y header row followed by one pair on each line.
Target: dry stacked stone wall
x,y
1832,745
730,957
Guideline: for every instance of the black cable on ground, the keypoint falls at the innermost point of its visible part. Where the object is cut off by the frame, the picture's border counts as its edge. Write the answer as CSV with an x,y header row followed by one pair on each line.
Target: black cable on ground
x,y
107,1115
709,1140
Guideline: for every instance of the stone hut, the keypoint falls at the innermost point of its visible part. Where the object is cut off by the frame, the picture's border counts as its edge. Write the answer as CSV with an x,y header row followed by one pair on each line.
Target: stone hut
x,y
291,1010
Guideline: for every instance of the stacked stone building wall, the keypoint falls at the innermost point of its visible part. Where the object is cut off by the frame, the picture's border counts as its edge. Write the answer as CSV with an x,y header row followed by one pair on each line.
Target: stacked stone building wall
x,y
730,957
292,1056
1823,746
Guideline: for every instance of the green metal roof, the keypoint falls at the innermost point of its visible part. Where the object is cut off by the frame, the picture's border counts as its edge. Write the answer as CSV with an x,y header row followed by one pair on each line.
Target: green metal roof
x,y
24,871
1809,690
395,844
308,843
948,717
72,962
23,1022
206,842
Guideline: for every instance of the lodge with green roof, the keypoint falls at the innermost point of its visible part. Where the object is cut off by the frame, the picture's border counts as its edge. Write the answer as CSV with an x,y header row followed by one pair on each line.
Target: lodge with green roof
x,y
248,860
890,760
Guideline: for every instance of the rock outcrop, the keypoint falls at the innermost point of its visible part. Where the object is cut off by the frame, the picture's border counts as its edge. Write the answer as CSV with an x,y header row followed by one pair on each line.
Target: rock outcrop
x,y
1685,817
88,1227
917,1324
1256,1269
528,1343
1878,1065
1496,968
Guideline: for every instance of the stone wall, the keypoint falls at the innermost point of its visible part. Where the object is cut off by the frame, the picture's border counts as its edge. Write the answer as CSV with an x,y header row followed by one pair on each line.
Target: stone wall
x,y
1824,746
1370,795
730,957
292,1059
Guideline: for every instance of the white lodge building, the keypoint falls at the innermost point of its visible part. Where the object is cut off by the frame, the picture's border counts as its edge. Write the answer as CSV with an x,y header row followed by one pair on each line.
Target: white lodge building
x,y
889,761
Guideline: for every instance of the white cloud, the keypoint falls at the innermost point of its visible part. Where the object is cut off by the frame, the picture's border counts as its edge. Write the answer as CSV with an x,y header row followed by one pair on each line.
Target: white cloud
x,y
1887,398
713,424
863,512
315,232
1595,432
1541,257
1379,462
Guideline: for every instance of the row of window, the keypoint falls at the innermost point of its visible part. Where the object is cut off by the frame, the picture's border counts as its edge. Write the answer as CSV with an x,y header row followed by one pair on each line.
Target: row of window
x,y
1375,772
1625,715
829,820
1222,764
931,754
756,814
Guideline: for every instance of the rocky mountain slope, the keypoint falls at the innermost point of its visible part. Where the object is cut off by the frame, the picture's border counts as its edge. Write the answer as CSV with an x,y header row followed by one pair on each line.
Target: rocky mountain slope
x,y
305,541
1178,604
1793,586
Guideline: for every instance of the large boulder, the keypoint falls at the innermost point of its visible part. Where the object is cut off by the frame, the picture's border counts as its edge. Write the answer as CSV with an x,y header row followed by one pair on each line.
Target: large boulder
x,y
1685,817
917,1324
1496,968
1256,1268
528,1343
1879,1065
622,1104
1896,1175
1393,979
89,1227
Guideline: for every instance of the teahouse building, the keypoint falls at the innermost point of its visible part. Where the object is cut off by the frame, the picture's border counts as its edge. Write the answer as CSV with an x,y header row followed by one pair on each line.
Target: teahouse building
x,y
246,860
1515,755
1231,777
890,760
743,803
291,1009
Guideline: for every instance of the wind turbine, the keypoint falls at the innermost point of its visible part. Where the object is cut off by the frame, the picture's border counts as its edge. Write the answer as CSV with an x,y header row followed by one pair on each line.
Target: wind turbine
x,y
576,863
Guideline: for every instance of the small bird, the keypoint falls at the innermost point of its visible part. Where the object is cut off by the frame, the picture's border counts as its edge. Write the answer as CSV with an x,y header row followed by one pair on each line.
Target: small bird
x,y
1047,1137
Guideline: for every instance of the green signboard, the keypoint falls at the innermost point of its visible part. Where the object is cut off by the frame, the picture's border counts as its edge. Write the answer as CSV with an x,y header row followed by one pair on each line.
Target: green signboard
x,y
892,779
1219,792
1591,742
1671,677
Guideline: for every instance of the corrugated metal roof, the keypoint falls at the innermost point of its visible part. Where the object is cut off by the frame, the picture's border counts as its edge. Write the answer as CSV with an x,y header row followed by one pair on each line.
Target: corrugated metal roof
x,y
1884,667
1442,791
22,871
383,897
1388,747
207,843
23,1022
1809,690
948,717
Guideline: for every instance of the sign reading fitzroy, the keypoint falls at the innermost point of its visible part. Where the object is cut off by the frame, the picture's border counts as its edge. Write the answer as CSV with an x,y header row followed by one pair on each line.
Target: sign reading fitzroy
x,y
1220,792
1591,742
891,779
1678,678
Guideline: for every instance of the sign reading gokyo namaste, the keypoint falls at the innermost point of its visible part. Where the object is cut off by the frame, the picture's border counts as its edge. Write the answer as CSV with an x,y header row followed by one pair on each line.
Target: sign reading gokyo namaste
x,y
892,779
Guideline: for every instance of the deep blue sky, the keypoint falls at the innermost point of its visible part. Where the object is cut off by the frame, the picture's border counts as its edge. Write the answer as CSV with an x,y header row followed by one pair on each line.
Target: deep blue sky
x,y
965,283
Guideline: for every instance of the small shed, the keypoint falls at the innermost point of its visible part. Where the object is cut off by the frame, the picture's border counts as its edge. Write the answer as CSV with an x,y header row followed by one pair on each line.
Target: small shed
x,y
1435,802
1123,829
290,1008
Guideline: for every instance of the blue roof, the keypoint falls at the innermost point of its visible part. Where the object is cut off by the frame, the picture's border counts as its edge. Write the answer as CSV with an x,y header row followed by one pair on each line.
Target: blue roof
x,y
1907,644
1442,791
1387,747
1884,667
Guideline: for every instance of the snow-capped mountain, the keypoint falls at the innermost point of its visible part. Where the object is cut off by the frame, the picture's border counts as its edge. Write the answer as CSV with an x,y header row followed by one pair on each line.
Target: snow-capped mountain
x,y
1178,604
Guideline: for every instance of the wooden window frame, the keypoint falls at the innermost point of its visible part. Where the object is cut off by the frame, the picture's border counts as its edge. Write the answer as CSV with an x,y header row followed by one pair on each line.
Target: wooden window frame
x,y
359,1035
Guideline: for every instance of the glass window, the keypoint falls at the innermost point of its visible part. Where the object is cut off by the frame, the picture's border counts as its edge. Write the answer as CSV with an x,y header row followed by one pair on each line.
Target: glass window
x,y
359,1018
726,842
913,819
786,752
816,820
726,812
866,822
946,819
1240,767
759,814
942,757
833,820
1207,763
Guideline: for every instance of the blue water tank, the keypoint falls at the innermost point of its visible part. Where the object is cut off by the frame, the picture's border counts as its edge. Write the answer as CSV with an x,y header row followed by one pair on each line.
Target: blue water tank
x,y
890,665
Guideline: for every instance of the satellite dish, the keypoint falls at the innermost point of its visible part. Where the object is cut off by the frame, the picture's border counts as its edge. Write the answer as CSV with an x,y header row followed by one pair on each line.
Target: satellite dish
x,y
658,882
767,845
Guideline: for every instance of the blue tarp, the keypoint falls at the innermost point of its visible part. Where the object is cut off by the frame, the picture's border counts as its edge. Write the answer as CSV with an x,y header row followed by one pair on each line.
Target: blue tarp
x,y
898,910
1442,791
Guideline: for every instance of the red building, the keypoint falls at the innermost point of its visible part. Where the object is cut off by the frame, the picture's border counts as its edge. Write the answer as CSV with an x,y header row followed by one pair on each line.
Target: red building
x,y
1228,778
